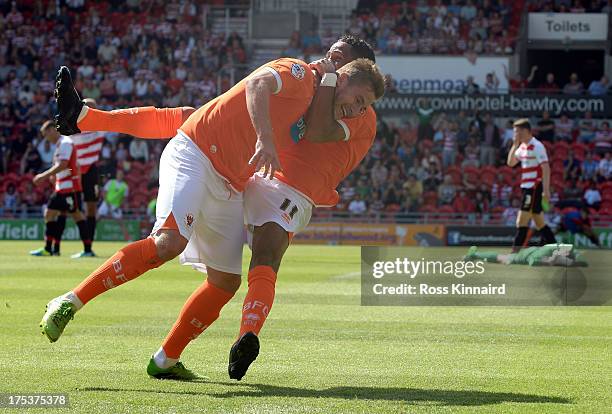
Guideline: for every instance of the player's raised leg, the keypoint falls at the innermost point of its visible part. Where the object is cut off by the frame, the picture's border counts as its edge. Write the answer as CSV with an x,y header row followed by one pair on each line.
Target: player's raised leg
x,y
75,116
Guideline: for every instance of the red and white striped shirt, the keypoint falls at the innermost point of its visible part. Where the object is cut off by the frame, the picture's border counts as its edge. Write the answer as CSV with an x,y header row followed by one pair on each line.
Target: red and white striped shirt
x,y
88,146
531,155
68,180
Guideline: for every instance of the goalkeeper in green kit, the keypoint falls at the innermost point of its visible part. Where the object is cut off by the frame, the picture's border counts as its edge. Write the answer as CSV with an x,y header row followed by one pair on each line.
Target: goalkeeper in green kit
x,y
547,255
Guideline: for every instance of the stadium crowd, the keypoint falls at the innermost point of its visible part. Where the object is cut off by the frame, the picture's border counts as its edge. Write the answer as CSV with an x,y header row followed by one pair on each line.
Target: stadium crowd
x,y
471,27
455,163
570,6
426,162
124,53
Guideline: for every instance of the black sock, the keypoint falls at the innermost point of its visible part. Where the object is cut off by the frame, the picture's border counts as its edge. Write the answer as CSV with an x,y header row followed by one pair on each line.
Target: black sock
x,y
547,236
519,239
593,238
84,233
91,224
59,232
50,232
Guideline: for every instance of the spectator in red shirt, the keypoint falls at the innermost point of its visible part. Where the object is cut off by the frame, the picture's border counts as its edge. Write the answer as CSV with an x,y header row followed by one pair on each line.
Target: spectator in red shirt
x,y
517,83
174,83
550,85
463,204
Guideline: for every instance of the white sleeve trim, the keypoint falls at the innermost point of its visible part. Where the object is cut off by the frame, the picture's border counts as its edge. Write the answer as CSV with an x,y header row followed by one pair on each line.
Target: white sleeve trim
x,y
279,81
347,130
541,154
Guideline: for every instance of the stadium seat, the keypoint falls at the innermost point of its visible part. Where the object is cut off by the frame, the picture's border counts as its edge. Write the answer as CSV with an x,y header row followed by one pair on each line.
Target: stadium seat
x,y
430,198
455,173
427,209
579,150
607,194
488,175
556,165
561,149
605,185
507,173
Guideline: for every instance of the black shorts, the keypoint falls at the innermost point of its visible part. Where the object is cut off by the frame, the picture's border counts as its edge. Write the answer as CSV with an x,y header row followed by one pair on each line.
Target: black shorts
x,y
90,182
70,202
532,199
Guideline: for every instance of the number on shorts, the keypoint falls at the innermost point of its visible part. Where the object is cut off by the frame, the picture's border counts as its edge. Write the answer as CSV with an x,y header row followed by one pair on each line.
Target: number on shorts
x,y
287,207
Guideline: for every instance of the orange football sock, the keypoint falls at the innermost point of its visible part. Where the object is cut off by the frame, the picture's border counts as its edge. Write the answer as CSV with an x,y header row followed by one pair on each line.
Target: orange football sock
x,y
199,312
259,299
144,122
127,264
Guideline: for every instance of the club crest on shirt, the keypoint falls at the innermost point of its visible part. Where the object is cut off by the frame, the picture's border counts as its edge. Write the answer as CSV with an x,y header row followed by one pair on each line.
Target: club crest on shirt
x,y
189,219
298,71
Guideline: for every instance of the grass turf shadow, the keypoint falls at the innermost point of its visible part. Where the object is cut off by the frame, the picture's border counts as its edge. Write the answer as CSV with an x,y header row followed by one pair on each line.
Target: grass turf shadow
x,y
408,395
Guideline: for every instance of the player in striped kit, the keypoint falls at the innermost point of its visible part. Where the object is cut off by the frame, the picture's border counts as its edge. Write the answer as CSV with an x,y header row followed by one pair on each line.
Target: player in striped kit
x,y
67,195
535,183
88,146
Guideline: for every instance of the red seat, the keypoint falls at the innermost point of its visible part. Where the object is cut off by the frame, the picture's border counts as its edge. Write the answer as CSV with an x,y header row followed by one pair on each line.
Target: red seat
x,y
489,168
446,209
427,209
430,198
579,150
606,185
488,175
607,194
557,165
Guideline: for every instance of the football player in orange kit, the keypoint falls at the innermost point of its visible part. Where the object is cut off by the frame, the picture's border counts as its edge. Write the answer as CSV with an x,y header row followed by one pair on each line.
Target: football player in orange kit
x,y
293,214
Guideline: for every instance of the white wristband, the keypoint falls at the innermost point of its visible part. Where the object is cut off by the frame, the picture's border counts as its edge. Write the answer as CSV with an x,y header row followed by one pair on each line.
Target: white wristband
x,y
329,79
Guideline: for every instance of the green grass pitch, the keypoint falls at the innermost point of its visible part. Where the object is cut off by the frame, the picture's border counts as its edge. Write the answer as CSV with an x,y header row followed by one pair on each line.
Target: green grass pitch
x,y
321,351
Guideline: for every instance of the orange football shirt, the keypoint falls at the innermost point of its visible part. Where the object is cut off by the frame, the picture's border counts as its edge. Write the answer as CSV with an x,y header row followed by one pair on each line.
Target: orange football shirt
x,y
316,169
222,128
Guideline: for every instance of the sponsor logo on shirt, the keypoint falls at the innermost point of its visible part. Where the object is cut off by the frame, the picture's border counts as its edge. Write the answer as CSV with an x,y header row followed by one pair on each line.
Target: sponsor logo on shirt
x,y
298,130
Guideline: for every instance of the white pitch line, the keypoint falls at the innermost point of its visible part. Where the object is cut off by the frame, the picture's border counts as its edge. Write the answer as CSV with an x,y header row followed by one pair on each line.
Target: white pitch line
x,y
346,276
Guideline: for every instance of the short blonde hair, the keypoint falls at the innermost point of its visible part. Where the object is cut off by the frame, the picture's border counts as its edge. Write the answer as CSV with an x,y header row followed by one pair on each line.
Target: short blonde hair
x,y
365,71
47,124
522,123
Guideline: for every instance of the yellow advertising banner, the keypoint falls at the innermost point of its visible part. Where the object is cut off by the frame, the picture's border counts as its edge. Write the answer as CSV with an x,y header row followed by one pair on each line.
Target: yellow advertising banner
x,y
372,234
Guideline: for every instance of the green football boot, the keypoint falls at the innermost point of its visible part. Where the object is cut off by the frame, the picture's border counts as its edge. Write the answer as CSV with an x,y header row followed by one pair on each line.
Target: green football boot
x,y
41,252
175,372
59,312
82,254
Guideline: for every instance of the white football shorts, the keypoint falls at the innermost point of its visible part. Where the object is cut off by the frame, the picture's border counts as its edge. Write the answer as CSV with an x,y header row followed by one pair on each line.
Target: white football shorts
x,y
273,201
207,211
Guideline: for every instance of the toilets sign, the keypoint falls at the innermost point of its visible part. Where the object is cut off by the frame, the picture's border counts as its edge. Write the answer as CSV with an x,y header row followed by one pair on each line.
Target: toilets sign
x,y
568,26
